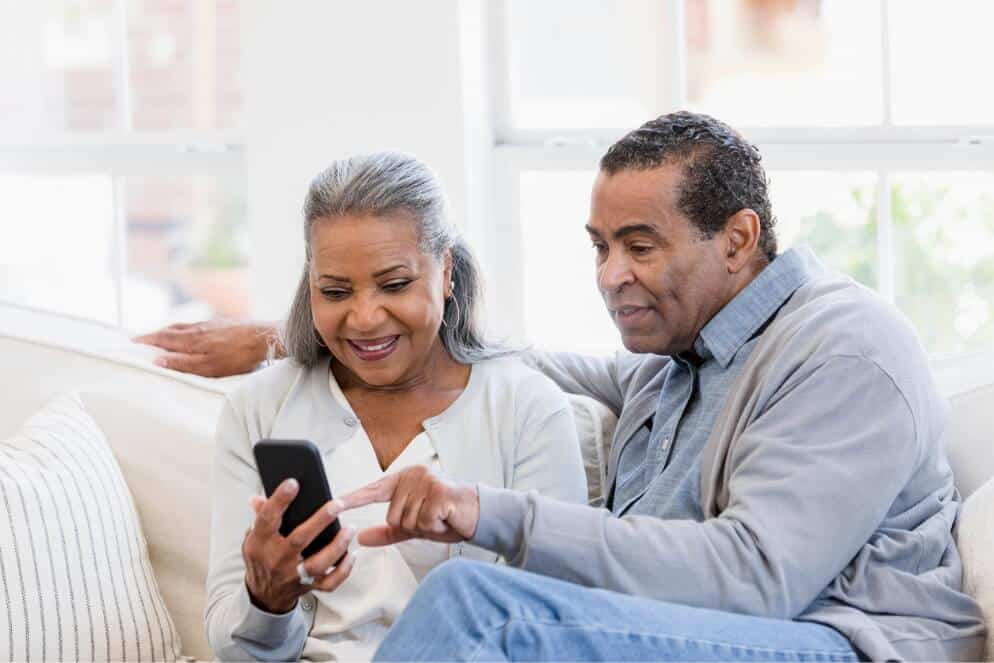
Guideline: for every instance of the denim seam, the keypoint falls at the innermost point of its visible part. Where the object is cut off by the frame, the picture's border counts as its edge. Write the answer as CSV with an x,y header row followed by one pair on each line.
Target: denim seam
x,y
497,626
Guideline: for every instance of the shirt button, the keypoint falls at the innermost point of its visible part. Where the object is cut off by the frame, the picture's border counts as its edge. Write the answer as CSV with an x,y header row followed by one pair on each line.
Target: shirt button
x,y
350,421
306,604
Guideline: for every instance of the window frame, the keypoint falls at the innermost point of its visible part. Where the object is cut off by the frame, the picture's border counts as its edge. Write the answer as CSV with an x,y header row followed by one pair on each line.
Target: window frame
x,y
883,148
121,152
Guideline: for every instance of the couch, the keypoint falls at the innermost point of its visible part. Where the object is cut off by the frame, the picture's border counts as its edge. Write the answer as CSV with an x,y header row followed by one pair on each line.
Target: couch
x,y
159,426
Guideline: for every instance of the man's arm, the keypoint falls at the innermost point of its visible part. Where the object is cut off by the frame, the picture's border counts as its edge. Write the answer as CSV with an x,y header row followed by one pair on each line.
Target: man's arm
x,y
811,480
604,379
217,348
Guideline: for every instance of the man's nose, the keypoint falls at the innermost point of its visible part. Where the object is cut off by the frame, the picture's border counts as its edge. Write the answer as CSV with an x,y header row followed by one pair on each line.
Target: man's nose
x,y
614,273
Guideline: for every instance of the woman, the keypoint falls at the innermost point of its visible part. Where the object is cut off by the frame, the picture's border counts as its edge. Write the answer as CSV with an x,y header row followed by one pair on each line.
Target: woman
x,y
388,370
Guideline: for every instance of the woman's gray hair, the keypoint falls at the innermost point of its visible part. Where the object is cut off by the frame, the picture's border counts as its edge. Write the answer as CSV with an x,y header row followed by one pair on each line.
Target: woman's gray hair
x,y
378,184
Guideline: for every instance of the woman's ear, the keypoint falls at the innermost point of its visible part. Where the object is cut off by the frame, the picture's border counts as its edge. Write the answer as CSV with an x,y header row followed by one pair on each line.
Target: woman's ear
x,y
447,273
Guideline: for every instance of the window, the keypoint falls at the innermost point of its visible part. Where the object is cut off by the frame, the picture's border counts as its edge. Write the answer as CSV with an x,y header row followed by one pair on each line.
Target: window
x,y
120,163
878,142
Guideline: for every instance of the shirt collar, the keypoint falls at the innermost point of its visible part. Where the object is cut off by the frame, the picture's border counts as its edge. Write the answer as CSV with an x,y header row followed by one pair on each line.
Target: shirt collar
x,y
741,318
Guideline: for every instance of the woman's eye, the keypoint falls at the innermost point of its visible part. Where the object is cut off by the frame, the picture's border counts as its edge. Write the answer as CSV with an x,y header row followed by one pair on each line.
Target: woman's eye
x,y
395,286
335,295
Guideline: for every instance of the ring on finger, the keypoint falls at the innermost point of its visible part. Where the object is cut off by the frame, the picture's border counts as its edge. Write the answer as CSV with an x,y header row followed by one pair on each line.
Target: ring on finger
x,y
305,577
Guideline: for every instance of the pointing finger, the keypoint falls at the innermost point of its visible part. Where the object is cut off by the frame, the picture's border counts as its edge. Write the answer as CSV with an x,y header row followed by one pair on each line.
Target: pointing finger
x,y
382,535
379,491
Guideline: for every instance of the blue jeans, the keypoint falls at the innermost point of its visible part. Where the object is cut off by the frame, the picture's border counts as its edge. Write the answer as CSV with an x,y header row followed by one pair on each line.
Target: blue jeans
x,y
469,611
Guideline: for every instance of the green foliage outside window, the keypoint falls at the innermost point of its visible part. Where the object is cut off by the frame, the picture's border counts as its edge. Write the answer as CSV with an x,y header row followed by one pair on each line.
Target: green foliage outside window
x,y
943,233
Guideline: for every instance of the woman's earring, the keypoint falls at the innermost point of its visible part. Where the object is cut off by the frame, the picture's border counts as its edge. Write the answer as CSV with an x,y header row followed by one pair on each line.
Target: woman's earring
x,y
452,287
458,313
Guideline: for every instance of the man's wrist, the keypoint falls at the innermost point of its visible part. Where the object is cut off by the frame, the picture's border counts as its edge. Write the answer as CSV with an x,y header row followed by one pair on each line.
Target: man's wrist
x,y
473,497
271,342
500,525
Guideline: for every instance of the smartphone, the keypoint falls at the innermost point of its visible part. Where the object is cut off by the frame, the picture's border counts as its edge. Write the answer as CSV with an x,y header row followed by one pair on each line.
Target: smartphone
x,y
279,460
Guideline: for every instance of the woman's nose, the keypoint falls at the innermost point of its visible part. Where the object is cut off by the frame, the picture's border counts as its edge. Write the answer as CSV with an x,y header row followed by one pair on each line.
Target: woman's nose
x,y
366,314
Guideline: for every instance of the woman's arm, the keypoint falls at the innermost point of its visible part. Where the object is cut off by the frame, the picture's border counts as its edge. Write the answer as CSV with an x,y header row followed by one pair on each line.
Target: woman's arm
x,y
236,629
547,452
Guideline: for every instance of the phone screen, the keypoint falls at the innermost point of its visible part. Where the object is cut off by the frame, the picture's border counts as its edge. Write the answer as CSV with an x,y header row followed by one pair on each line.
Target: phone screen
x,y
279,460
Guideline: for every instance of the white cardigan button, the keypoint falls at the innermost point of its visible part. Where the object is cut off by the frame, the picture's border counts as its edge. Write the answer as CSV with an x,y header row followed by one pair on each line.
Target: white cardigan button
x,y
351,421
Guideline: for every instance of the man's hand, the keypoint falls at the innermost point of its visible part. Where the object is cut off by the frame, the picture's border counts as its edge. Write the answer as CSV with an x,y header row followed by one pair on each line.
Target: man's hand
x,y
214,349
423,505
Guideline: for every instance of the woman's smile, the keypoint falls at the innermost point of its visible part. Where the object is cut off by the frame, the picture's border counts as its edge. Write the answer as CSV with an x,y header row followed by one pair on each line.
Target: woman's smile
x,y
373,349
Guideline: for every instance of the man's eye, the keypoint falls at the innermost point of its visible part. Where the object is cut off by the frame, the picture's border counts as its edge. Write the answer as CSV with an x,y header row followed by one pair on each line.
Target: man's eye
x,y
599,247
335,294
640,249
396,286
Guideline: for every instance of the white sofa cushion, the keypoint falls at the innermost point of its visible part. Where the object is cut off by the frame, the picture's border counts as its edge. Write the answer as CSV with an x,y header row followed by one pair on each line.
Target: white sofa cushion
x,y
158,423
77,581
595,425
162,433
969,438
975,538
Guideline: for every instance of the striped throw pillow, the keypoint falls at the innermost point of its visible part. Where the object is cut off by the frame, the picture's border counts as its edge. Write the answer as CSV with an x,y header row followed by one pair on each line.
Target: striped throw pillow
x,y
76,583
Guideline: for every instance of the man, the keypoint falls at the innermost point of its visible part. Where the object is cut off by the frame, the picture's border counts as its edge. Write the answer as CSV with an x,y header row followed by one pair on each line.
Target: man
x,y
777,489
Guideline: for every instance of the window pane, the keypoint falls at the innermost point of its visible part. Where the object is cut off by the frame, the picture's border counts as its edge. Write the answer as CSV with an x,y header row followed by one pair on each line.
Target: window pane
x,y
57,250
562,307
942,54
944,237
835,214
585,63
56,65
186,244
785,62
183,60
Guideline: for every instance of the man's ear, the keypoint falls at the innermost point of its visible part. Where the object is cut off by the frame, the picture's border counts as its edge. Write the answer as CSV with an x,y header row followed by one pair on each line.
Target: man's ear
x,y
741,234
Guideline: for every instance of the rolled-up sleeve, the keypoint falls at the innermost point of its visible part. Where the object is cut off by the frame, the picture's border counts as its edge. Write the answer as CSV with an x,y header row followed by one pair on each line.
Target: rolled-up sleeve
x,y
809,480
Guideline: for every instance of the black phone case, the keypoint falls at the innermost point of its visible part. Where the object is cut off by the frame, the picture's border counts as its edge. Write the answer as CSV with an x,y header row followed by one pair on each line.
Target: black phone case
x,y
279,460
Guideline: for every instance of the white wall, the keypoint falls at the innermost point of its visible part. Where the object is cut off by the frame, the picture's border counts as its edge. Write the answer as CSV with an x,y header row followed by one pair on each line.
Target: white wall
x,y
325,79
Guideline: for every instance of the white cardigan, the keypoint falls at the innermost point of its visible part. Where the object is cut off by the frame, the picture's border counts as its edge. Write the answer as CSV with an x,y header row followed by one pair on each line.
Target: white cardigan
x,y
510,428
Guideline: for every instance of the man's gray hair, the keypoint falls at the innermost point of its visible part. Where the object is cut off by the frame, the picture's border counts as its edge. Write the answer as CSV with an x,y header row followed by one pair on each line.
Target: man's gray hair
x,y
379,184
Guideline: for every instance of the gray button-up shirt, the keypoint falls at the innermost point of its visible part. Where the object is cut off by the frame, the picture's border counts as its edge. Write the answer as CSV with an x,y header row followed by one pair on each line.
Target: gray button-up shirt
x,y
824,488
666,453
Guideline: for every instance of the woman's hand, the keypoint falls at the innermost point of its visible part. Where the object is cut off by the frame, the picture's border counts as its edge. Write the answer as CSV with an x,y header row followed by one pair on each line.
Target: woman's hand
x,y
423,504
271,560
